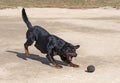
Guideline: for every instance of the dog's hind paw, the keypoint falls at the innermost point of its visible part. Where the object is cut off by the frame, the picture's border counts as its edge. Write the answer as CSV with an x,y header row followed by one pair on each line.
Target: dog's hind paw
x,y
27,54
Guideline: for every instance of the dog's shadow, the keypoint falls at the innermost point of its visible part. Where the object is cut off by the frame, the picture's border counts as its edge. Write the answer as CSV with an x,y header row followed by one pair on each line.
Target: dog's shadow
x,y
35,57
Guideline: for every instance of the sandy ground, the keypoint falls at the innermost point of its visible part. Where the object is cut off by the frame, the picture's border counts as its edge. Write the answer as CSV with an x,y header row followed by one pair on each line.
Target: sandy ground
x,y
96,30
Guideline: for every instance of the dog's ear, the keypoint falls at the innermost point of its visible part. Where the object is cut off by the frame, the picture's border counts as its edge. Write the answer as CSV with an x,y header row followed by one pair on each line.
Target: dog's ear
x,y
77,46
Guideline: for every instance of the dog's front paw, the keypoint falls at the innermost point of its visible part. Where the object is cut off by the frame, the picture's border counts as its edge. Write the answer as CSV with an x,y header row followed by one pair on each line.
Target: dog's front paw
x,y
76,66
58,66
73,65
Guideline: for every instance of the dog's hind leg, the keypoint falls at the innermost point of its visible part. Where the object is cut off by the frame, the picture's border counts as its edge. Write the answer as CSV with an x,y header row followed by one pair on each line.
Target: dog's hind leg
x,y
27,43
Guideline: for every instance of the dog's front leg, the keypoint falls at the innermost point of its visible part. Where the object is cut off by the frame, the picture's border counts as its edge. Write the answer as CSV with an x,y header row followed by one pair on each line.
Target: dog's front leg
x,y
51,59
69,62
72,65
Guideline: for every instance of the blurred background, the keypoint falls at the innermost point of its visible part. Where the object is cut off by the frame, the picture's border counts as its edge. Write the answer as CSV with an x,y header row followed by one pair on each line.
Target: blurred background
x,y
59,3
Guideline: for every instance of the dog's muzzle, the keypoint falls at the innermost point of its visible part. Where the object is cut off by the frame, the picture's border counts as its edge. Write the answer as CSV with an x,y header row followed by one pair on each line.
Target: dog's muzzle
x,y
71,55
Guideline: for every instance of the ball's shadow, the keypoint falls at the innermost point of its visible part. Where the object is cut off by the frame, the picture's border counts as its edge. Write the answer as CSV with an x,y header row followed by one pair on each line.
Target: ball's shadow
x,y
34,57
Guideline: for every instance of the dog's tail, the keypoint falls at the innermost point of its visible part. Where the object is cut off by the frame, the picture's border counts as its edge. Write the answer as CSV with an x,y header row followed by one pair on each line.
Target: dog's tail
x,y
26,20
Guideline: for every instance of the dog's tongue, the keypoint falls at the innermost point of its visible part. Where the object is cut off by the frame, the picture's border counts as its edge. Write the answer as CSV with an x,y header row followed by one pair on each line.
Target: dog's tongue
x,y
70,58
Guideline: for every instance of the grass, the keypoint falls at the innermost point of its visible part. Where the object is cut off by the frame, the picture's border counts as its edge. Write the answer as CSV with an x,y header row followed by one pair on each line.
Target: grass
x,y
59,3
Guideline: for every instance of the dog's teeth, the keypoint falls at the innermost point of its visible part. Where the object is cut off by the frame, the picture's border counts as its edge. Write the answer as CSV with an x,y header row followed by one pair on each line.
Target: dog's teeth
x,y
70,58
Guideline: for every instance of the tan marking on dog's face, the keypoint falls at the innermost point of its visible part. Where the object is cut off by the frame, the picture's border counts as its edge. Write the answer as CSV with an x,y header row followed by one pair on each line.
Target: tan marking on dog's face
x,y
69,55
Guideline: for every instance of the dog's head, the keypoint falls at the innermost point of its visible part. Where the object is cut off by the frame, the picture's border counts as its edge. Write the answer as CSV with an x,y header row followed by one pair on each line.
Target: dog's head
x,y
70,51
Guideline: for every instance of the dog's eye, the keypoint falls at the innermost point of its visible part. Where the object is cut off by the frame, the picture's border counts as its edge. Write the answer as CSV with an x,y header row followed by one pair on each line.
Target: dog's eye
x,y
70,50
73,50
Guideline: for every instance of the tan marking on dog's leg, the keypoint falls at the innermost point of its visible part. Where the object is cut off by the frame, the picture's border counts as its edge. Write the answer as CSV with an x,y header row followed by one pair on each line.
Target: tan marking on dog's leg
x,y
73,65
26,52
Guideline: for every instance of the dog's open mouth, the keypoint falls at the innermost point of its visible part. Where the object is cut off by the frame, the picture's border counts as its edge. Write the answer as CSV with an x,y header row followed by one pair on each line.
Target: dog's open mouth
x,y
70,58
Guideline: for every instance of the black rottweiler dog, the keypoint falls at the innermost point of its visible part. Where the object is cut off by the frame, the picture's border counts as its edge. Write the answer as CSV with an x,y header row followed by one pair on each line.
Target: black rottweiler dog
x,y
49,44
